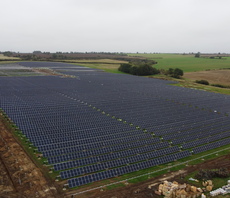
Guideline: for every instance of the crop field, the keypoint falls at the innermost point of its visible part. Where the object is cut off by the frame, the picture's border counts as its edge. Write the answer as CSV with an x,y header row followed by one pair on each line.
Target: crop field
x,y
214,76
188,63
88,125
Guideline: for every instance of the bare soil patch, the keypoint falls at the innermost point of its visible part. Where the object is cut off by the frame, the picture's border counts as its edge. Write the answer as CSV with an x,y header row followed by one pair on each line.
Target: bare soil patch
x,y
20,177
213,76
51,73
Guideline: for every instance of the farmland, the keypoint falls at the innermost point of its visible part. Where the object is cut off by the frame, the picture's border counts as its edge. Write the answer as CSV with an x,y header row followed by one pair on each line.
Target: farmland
x,y
2,57
88,126
214,76
188,63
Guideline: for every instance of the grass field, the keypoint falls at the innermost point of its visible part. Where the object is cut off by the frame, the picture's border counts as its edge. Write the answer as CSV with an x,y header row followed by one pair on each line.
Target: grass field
x,y
188,63
103,61
111,68
2,57
190,84
108,65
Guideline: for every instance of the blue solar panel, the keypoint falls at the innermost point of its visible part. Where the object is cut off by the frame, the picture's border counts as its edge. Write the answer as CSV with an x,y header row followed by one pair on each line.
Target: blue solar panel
x,y
112,123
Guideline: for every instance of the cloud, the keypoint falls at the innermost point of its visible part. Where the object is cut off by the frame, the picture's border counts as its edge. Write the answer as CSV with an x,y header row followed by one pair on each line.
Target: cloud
x,y
115,25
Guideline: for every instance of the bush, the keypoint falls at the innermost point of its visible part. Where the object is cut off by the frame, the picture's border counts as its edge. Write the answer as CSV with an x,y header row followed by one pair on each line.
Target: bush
x,y
141,69
125,67
210,174
178,73
221,86
175,73
142,61
197,55
204,82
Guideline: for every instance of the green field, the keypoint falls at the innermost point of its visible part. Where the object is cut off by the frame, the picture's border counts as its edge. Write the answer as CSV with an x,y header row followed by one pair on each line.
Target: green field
x,y
107,65
102,61
188,63
111,68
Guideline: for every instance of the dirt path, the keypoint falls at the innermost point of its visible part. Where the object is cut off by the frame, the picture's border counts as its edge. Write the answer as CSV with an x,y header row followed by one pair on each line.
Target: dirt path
x,y
141,189
19,175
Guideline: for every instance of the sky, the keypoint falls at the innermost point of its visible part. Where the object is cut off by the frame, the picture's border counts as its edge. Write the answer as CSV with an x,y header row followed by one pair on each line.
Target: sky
x,y
163,26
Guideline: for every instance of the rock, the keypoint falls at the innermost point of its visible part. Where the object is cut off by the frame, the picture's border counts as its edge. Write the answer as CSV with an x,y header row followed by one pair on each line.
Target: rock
x,y
157,192
193,189
161,187
188,188
205,183
210,182
137,191
209,188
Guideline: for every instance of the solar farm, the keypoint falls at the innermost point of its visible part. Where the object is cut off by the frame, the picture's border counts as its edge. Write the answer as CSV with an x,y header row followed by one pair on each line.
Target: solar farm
x,y
94,125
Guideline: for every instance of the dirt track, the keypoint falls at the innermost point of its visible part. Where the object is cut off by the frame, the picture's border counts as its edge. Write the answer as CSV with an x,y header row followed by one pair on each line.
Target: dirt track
x,y
141,190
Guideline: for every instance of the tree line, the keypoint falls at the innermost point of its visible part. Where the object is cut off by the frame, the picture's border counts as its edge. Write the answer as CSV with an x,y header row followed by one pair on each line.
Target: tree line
x,y
145,68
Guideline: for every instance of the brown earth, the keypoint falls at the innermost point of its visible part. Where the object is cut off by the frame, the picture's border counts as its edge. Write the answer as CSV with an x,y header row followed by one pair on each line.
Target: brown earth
x,y
20,177
52,73
213,76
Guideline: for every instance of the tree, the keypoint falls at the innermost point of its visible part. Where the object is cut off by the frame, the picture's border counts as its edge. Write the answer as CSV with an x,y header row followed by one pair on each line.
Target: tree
x,y
178,73
125,67
175,73
54,56
138,68
134,70
197,55
204,82
7,53
170,71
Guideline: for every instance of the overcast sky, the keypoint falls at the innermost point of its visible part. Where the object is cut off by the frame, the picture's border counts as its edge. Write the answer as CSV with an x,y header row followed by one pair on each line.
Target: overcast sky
x,y
115,25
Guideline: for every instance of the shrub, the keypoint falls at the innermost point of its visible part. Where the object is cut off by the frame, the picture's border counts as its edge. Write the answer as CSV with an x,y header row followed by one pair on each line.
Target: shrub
x,y
221,86
204,82
141,69
178,73
210,174
125,67
175,73
197,55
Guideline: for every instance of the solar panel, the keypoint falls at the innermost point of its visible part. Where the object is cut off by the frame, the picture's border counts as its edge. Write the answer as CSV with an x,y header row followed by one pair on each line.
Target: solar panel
x,y
103,122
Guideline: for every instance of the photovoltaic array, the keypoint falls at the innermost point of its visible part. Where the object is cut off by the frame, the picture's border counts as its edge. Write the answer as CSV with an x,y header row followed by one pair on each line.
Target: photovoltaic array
x,y
99,125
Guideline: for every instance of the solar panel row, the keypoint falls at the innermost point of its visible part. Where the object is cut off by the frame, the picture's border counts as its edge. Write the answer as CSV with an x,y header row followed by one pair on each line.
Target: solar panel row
x,y
117,162
100,121
124,170
210,146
